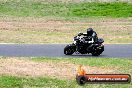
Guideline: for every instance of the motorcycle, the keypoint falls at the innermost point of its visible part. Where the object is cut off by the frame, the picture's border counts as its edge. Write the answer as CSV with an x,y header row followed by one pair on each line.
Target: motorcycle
x,y
83,45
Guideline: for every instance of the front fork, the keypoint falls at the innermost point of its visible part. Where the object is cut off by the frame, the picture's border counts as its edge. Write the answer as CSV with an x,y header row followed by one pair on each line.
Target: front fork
x,y
76,44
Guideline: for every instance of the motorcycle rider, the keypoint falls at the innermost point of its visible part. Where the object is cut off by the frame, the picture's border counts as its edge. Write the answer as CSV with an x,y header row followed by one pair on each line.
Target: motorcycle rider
x,y
91,34
90,37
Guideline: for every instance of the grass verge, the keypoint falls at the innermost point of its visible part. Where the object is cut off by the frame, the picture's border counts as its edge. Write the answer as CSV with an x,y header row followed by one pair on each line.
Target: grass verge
x,y
52,30
119,65
20,82
41,82
25,8
29,21
122,64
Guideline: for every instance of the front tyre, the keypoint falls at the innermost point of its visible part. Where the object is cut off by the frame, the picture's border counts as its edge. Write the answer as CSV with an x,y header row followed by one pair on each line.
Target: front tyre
x,y
69,50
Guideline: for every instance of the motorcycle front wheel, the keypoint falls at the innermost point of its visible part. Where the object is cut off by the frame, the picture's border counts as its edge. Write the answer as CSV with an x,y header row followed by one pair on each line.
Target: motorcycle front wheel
x,y
95,54
69,50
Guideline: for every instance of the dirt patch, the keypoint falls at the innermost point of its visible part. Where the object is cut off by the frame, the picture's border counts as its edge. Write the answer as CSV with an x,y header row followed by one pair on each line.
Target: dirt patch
x,y
23,67
55,30
47,26
36,24
41,24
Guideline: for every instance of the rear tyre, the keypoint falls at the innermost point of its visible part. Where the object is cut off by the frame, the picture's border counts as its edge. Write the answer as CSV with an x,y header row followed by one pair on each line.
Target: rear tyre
x,y
69,50
97,52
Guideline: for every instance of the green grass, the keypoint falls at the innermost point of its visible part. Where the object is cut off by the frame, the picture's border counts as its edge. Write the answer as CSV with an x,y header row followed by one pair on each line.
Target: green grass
x,y
40,82
124,65
25,8
46,82
62,21
90,61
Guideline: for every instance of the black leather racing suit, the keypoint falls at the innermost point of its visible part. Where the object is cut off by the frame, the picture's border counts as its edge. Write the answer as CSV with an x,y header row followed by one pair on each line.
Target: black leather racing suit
x,y
87,36
88,39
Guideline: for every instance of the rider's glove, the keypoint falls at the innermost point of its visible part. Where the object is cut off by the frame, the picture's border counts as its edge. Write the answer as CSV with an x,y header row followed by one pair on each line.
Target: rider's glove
x,y
80,34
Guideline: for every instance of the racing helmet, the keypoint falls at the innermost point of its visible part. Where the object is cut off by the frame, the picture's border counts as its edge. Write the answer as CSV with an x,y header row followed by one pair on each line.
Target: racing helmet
x,y
89,31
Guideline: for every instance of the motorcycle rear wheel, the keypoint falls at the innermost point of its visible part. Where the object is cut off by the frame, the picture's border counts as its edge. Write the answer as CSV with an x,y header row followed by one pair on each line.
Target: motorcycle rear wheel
x,y
97,52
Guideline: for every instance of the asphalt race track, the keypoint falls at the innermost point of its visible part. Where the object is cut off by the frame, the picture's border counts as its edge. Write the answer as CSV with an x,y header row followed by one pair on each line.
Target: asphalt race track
x,y
56,50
